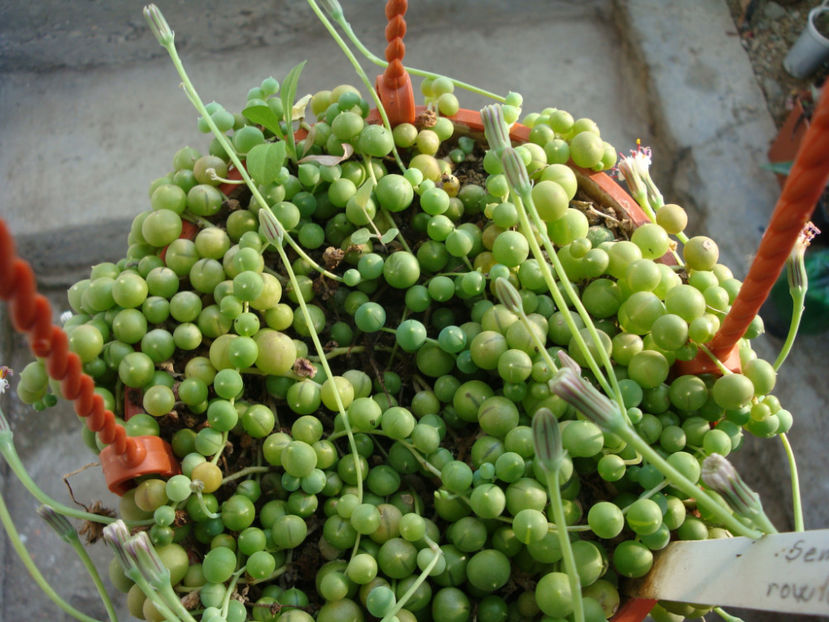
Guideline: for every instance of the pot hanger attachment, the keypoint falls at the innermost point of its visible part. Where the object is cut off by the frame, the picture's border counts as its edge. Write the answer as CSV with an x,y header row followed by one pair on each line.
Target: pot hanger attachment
x,y
394,85
125,457
794,208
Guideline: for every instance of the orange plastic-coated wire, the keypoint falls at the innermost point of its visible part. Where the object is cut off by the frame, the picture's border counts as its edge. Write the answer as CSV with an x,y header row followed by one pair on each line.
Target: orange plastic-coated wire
x,y
395,50
125,457
395,85
634,610
800,194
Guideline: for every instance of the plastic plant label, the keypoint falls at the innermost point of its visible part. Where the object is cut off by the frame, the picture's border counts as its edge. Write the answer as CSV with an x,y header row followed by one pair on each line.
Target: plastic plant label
x,y
787,572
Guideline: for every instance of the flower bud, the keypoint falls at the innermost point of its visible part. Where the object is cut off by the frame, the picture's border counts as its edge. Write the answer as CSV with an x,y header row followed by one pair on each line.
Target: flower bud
x,y
515,171
141,550
547,440
569,385
495,128
795,264
721,477
333,8
116,536
508,295
158,25
270,227
58,522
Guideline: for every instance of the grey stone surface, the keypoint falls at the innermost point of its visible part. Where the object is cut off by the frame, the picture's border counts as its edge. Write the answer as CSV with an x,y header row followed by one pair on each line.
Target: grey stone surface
x,y
711,116
92,113
108,137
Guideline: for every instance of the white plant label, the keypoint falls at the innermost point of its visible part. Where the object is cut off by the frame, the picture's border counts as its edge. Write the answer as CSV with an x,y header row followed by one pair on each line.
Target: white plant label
x,y
787,572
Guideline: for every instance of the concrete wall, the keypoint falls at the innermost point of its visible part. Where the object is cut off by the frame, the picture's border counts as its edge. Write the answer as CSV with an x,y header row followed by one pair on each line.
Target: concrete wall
x,y
91,113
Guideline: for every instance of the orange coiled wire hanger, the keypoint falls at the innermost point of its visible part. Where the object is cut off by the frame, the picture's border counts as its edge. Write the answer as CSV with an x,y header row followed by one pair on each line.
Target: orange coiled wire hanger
x,y
124,458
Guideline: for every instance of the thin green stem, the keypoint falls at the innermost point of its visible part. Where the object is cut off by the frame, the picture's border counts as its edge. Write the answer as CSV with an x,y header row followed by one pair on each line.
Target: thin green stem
x,y
537,342
194,98
726,616
204,508
167,592
388,215
436,557
796,501
564,542
230,588
215,459
135,575
196,220
412,449
28,562
526,227
723,369
682,483
360,72
76,544
794,325
276,573
356,546
574,297
246,471
343,23
335,352
16,465
647,494
328,373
